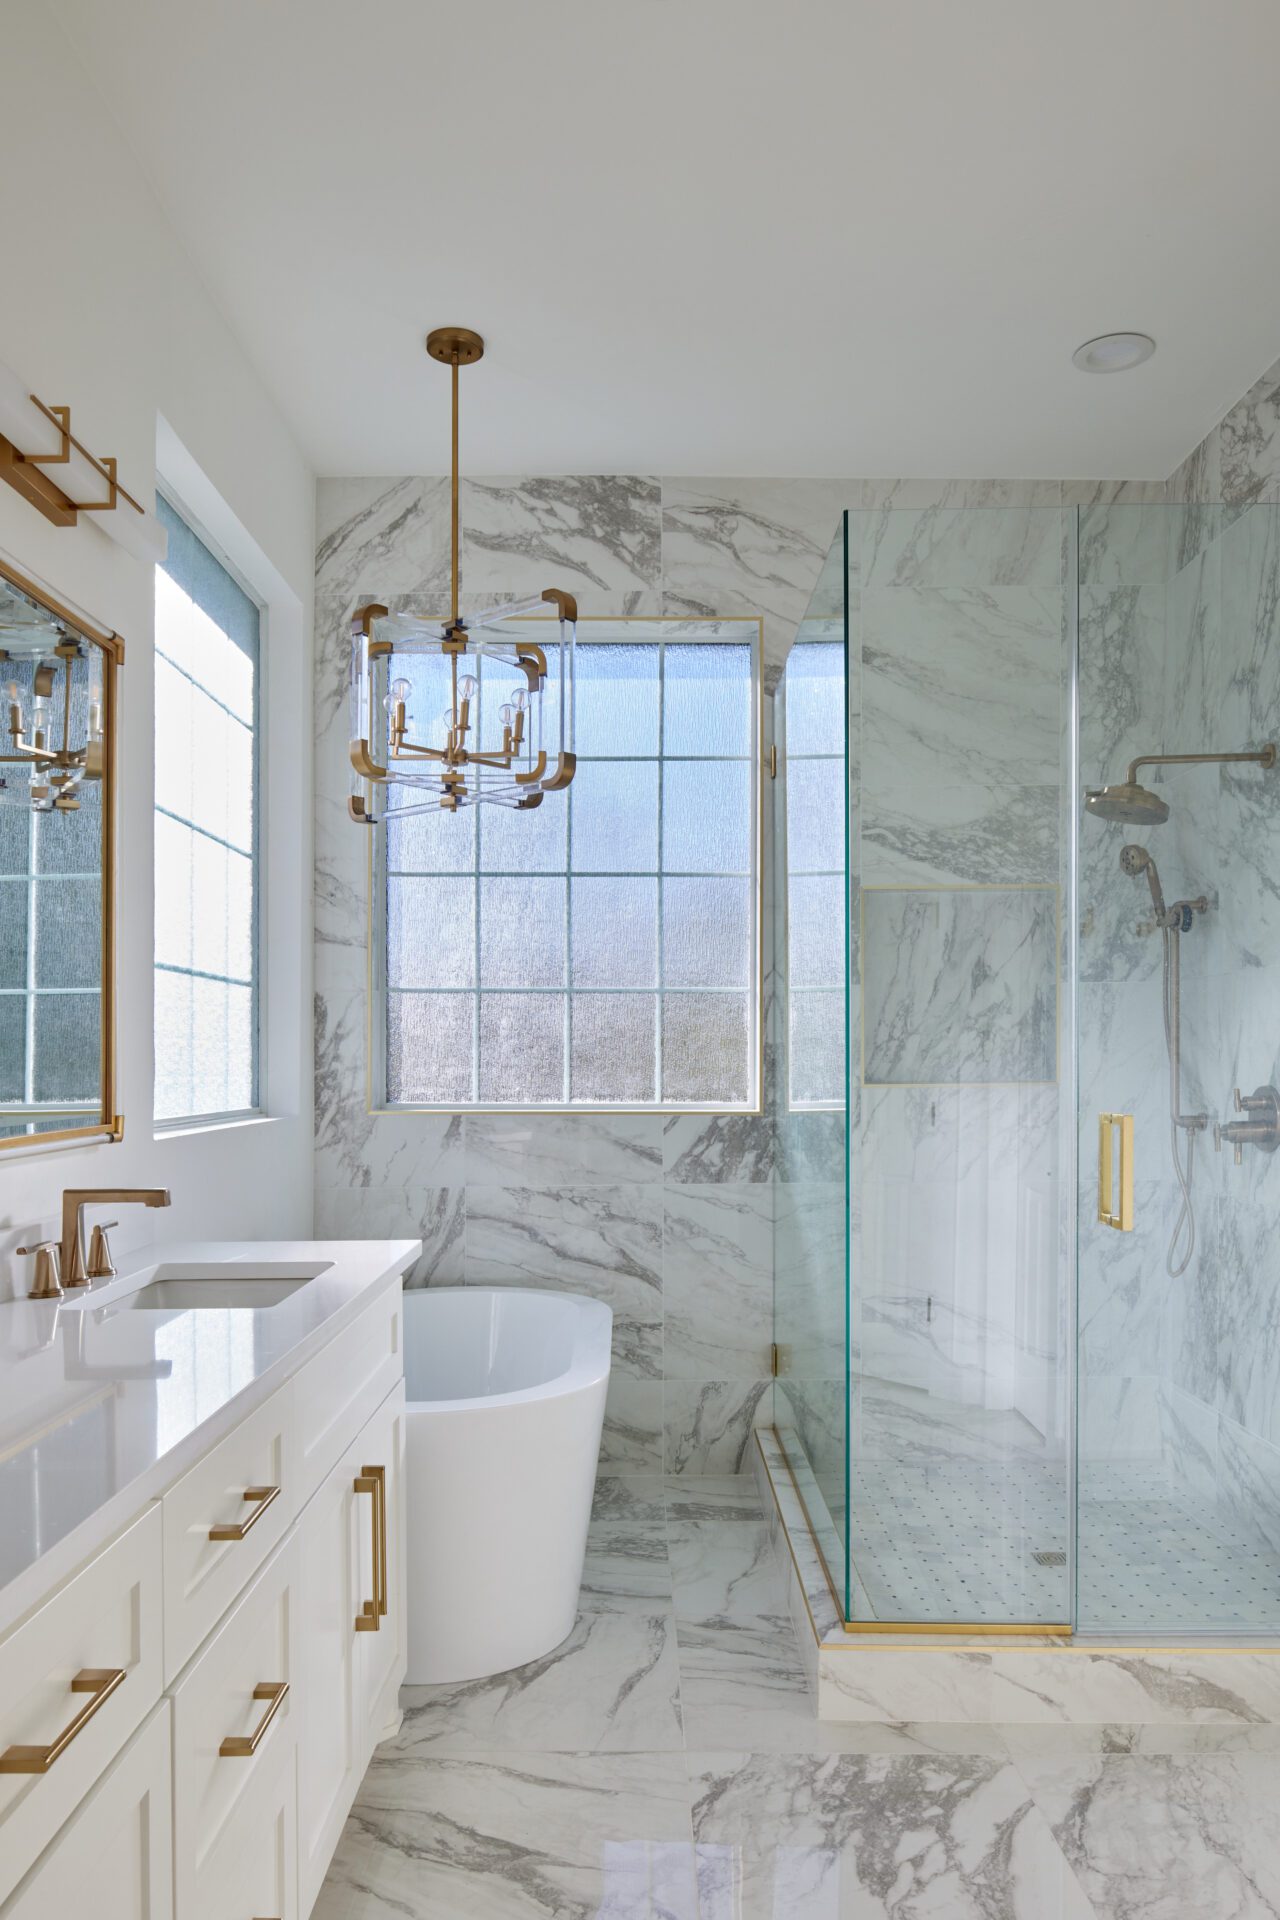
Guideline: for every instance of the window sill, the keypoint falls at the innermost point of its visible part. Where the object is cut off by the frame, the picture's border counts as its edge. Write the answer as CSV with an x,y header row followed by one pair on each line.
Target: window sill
x,y
215,1123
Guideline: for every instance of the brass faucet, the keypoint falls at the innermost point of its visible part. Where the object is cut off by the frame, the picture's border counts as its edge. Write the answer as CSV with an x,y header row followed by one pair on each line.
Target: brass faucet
x,y
75,1271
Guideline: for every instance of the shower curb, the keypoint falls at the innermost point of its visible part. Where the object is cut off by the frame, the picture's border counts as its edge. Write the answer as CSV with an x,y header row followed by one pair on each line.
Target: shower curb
x,y
989,1676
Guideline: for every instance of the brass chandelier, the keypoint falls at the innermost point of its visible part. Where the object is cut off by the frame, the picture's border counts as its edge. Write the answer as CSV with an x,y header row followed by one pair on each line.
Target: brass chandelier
x,y
54,739
499,740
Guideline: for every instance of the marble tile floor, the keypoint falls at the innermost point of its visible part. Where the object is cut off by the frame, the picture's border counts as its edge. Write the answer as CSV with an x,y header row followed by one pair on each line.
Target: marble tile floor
x,y
665,1764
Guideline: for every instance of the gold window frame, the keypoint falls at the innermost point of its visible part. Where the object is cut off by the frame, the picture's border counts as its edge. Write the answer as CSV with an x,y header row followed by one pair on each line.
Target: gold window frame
x,y
111,646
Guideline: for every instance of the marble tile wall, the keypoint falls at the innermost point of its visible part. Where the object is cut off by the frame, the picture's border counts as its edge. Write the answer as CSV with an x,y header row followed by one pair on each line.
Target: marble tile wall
x,y
670,1222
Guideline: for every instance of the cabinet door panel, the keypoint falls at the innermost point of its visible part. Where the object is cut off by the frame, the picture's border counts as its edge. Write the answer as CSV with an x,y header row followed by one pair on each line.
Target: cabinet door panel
x,y
382,1654
114,1858
331,1752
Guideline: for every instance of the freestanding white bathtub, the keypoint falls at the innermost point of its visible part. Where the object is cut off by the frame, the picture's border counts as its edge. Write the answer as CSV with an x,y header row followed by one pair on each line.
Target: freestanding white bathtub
x,y
506,1391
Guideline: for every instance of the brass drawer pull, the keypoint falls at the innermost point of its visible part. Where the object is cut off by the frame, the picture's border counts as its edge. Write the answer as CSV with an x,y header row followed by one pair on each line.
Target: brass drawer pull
x,y
242,1746
101,1683
373,1481
1109,1213
263,1496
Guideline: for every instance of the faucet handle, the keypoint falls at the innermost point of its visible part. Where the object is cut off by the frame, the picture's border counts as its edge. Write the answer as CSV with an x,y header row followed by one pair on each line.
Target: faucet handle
x,y
48,1280
100,1264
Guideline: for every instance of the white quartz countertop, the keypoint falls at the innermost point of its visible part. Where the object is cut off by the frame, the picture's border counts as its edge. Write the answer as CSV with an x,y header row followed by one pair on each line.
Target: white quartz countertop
x,y
103,1407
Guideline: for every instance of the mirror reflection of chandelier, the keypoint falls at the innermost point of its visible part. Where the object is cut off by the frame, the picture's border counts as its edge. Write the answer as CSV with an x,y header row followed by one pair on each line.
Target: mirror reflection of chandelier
x,y
503,736
55,710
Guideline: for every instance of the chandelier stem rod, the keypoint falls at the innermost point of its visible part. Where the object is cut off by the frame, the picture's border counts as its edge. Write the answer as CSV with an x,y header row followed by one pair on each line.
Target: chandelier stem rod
x,y
454,496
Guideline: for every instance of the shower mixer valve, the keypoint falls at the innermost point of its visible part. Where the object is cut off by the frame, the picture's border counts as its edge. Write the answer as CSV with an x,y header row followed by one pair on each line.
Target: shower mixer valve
x,y
1261,1127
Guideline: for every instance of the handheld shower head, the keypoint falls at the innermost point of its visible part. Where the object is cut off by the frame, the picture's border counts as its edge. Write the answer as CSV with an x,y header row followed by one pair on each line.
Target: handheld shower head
x,y
1135,860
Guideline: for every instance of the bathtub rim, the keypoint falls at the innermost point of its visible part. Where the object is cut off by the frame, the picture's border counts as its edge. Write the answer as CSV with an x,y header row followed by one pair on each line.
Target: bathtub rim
x,y
589,1365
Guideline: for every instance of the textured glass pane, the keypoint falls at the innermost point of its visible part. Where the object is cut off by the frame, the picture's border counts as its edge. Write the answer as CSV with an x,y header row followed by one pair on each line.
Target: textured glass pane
x,y
71,842
522,1048
706,817
222,778
815,698
221,1048
430,1043
815,931
614,817
13,1045
706,699
613,1048
15,833
615,933
68,932
533,842
173,892
816,1048
67,1063
706,933
433,842
705,1041
194,642
431,933
221,909
815,816
175,742
13,933
616,699
522,933
173,1045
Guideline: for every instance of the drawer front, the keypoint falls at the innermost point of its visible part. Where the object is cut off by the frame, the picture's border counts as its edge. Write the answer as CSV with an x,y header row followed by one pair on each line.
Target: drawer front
x,y
64,1715
233,1726
346,1382
251,1873
114,1858
221,1521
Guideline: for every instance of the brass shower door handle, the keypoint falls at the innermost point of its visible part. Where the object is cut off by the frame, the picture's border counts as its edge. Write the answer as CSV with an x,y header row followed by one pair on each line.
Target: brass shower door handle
x,y
1109,1214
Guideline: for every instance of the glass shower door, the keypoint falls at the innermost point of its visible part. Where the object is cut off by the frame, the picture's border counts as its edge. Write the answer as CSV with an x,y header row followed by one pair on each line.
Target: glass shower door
x,y
1178,1476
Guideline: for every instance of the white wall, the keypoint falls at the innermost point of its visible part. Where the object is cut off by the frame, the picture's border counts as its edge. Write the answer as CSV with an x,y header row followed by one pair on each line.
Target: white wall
x,y
104,311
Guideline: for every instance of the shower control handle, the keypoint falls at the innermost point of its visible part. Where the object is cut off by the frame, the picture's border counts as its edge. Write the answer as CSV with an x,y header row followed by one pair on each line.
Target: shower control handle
x,y
1261,1130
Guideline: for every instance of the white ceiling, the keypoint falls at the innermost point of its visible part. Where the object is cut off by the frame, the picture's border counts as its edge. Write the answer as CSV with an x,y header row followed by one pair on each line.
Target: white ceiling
x,y
722,236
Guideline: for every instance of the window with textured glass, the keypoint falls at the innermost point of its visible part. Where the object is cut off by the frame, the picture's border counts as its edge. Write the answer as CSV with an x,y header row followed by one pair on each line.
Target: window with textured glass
x,y
602,950
206,880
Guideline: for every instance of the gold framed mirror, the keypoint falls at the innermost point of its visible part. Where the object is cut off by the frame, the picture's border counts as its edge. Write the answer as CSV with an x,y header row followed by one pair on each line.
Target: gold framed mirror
x,y
57,870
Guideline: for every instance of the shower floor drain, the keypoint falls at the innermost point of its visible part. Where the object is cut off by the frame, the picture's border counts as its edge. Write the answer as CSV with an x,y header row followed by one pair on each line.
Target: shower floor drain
x,y
1050,1557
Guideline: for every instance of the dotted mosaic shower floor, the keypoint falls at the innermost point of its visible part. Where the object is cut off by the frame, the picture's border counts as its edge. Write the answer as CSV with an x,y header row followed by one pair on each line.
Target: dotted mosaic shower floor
x,y
957,1541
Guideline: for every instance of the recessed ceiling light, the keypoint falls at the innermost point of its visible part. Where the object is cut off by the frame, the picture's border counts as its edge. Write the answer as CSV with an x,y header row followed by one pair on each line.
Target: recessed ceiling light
x,y
1114,352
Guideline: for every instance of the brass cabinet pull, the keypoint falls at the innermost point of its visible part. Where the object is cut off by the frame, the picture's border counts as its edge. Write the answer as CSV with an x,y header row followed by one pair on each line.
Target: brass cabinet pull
x,y
263,1497
373,1481
1109,1214
241,1746
100,1683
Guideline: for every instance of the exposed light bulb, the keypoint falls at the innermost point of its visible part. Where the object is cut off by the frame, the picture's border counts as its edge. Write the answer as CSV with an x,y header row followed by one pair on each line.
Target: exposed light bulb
x,y
520,699
507,715
468,687
400,689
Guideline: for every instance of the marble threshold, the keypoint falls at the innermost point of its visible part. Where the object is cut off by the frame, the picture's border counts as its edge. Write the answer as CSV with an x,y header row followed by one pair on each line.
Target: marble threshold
x,y
989,1677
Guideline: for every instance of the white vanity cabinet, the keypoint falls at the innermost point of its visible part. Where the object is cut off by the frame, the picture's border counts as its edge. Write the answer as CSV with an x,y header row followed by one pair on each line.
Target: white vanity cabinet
x,y
245,1678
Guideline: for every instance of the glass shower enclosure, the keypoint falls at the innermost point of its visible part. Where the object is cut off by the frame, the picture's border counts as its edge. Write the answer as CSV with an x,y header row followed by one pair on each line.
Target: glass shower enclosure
x,y
1025,1315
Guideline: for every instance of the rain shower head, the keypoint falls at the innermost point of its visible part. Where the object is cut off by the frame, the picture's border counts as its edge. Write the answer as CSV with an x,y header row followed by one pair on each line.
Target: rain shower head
x,y
1138,806
1129,802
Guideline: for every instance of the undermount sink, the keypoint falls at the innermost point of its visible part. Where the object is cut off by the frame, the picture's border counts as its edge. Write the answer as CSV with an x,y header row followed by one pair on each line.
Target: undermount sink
x,y
179,1296
175,1288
